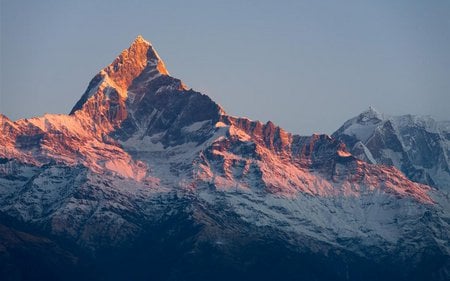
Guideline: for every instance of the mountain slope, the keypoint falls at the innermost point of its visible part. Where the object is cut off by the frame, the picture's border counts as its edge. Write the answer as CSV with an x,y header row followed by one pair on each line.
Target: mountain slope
x,y
142,163
418,146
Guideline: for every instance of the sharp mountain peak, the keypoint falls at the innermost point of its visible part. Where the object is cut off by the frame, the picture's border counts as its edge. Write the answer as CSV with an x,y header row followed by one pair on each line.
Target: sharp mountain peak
x,y
140,59
140,56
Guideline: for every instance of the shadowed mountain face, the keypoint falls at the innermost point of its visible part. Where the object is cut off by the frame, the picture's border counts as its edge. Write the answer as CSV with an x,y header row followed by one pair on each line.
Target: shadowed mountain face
x,y
147,179
418,146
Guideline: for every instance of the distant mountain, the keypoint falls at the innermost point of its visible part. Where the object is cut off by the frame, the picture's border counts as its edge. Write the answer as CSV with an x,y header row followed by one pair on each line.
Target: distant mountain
x,y
419,146
147,179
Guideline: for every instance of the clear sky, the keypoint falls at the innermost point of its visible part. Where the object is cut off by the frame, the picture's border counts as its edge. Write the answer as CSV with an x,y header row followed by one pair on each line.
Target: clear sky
x,y
306,65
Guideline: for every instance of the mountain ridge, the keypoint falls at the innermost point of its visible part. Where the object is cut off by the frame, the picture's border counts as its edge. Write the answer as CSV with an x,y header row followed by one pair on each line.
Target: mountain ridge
x,y
119,95
141,156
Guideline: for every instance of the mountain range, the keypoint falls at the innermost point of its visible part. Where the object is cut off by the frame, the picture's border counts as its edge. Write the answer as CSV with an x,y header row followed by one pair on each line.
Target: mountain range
x,y
147,179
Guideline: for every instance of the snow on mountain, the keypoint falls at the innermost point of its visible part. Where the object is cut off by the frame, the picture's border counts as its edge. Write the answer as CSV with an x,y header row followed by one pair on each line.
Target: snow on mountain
x,y
419,146
141,154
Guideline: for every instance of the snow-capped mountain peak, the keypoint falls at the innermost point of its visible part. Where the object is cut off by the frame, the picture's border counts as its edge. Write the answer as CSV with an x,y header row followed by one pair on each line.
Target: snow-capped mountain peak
x,y
134,105
141,160
417,145
370,114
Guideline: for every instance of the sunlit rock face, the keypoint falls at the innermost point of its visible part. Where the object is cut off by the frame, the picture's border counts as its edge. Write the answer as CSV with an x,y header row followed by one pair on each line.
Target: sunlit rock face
x,y
105,98
143,164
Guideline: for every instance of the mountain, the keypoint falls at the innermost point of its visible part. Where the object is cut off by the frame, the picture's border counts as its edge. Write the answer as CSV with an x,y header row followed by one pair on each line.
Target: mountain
x,y
147,179
418,146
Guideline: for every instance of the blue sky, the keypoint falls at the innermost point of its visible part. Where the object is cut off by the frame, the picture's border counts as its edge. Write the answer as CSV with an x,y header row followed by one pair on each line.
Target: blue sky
x,y
306,65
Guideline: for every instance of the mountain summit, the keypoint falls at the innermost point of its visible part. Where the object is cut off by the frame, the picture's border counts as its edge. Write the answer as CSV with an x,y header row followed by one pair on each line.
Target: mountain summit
x,y
147,171
110,87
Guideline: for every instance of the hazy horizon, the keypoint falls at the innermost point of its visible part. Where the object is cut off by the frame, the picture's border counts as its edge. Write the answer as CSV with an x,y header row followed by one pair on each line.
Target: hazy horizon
x,y
306,66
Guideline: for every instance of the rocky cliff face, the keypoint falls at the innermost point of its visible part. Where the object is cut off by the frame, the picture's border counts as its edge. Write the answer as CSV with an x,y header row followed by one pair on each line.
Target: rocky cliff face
x,y
143,162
